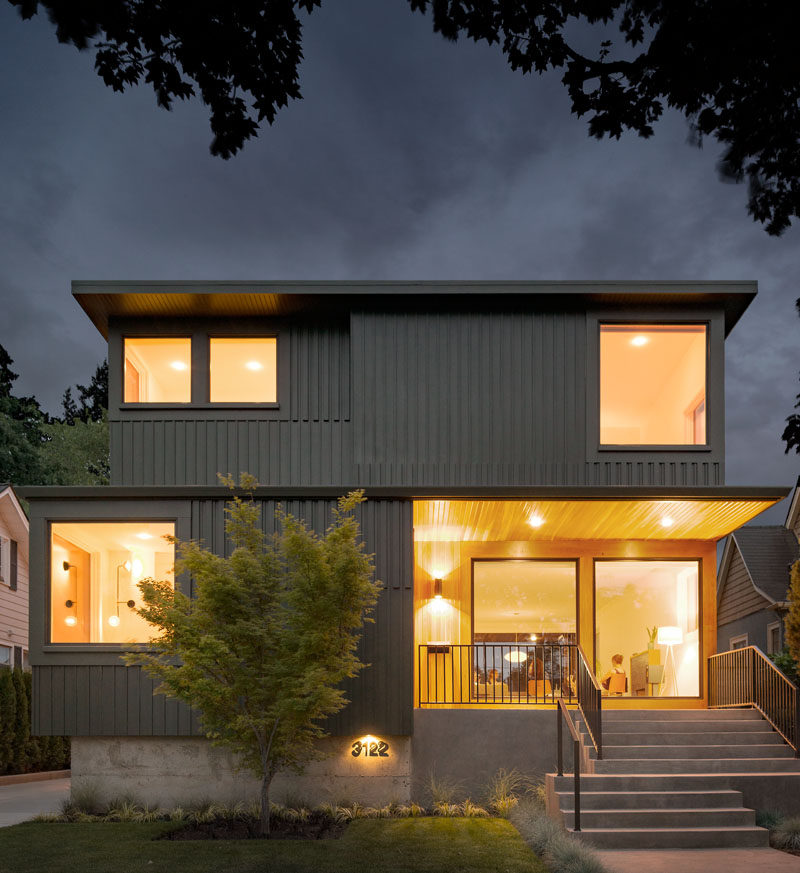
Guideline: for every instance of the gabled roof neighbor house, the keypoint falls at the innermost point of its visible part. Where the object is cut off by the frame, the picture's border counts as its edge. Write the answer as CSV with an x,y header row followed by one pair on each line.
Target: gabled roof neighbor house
x,y
544,467
13,580
752,600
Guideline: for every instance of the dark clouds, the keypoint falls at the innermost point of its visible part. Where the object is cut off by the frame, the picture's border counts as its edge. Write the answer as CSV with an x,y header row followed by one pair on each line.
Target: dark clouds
x,y
409,157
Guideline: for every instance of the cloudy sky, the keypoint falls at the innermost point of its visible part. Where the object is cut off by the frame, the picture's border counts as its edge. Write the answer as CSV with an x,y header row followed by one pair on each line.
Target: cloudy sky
x,y
408,158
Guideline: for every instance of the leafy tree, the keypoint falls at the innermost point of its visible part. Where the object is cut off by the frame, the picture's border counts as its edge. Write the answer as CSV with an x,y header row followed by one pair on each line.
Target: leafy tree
x,y
8,714
792,621
784,661
268,637
791,433
21,436
77,453
730,66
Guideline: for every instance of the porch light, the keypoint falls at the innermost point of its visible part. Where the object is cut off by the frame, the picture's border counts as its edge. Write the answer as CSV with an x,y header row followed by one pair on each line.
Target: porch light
x,y
515,656
535,520
667,521
437,589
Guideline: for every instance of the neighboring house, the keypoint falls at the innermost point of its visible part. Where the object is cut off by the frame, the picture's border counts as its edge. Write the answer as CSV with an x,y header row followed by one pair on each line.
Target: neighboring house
x,y
544,468
754,581
13,580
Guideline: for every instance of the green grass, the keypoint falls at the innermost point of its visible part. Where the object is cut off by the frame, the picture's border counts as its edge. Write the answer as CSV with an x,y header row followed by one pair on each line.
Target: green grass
x,y
409,845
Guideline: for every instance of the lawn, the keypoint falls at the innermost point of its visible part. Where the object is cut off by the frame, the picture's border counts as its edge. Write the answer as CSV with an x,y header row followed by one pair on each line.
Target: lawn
x,y
408,845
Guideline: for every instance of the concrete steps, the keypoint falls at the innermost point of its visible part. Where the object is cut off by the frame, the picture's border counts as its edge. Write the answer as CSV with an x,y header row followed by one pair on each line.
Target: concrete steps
x,y
664,779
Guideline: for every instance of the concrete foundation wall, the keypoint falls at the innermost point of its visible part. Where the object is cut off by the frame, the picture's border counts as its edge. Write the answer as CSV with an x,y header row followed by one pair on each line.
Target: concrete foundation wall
x,y
471,745
175,771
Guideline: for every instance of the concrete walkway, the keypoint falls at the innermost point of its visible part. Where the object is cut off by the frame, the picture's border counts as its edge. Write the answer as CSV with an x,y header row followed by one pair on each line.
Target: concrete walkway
x,y
699,861
24,801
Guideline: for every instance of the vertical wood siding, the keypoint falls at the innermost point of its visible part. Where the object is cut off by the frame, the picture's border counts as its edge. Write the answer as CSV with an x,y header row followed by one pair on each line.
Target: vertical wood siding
x,y
110,700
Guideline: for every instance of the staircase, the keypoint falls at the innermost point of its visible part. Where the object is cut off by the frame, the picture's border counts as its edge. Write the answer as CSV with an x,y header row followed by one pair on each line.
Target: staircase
x,y
665,779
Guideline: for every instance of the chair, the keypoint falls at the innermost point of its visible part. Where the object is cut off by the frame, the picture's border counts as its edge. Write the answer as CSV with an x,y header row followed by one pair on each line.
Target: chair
x,y
617,683
540,688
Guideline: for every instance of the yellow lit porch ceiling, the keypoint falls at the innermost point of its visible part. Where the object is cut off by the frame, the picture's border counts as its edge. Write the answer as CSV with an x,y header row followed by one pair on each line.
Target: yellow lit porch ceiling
x,y
582,519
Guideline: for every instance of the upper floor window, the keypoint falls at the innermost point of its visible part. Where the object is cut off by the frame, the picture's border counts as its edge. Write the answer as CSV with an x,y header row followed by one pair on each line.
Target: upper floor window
x,y
158,370
243,370
95,568
653,384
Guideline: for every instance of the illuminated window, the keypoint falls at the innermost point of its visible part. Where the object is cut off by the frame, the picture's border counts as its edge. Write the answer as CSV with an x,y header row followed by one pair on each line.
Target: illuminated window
x,y
94,571
243,370
647,613
158,370
653,384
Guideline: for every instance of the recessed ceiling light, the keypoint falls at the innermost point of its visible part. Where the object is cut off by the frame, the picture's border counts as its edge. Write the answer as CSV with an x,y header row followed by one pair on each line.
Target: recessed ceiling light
x,y
179,365
640,341
535,520
144,535
254,365
667,521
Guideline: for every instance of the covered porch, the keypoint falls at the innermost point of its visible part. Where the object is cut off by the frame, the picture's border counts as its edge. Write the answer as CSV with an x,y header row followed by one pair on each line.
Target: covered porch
x,y
520,602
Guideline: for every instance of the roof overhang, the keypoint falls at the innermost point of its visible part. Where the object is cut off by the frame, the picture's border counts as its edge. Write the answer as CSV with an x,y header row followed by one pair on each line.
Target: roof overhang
x,y
699,513
103,301
793,515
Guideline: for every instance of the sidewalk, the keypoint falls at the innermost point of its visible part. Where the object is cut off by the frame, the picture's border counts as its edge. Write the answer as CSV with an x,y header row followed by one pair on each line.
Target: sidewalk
x,y
25,800
698,861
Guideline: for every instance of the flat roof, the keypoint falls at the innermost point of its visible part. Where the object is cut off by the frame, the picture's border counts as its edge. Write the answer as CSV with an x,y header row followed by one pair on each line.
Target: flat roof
x,y
102,301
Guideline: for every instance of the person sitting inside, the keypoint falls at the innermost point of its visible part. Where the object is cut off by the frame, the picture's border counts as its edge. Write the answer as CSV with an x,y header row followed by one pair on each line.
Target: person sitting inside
x,y
615,681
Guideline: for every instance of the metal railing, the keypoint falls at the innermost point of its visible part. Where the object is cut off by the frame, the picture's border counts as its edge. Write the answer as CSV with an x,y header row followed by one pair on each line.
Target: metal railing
x,y
498,673
590,702
564,716
747,677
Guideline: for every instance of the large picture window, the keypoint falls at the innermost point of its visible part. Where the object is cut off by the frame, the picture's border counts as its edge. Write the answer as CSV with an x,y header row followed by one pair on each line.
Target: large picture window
x,y
158,370
653,384
647,626
95,568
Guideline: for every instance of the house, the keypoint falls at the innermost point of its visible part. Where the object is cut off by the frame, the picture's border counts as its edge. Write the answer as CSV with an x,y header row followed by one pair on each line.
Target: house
x,y
544,467
753,583
13,580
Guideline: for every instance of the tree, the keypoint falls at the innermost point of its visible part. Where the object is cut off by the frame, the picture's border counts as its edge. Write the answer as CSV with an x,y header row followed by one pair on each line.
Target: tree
x,y
791,433
270,634
792,621
21,436
76,453
730,66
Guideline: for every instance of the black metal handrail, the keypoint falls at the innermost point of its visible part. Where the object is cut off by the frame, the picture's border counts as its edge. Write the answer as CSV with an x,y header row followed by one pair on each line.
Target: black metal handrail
x,y
590,701
747,677
563,715
488,674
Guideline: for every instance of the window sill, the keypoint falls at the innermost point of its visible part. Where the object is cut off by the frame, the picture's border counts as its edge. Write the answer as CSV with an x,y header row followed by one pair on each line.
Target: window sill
x,y
654,448
124,407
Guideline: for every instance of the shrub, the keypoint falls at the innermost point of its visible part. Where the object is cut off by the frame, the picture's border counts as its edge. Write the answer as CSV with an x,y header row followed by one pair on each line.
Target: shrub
x,y
787,834
443,789
504,789
567,855
768,818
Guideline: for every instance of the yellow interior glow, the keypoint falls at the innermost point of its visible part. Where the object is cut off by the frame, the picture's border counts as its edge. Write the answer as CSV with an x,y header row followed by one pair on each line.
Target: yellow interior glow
x,y
157,370
243,370
106,560
652,384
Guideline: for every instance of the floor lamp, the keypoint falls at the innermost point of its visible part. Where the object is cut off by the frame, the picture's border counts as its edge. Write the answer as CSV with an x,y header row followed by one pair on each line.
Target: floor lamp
x,y
670,636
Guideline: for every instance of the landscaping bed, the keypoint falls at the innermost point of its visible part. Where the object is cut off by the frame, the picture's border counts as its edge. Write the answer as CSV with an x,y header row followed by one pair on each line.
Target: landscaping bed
x,y
317,826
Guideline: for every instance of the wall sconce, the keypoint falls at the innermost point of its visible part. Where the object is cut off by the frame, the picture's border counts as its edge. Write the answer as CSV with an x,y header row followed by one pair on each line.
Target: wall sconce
x,y
71,620
114,620
437,589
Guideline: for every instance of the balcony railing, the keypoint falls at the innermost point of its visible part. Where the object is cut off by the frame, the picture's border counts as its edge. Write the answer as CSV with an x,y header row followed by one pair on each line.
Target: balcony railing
x,y
494,673
746,677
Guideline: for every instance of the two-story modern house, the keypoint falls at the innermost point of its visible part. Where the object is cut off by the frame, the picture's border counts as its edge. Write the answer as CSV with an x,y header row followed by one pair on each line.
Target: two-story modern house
x,y
544,467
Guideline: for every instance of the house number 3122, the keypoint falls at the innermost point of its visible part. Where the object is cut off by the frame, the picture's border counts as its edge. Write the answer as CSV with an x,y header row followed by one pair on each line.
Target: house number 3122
x,y
374,749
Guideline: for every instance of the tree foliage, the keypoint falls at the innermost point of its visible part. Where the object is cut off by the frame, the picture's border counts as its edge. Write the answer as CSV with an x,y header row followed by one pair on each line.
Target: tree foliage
x,y
731,67
38,449
792,621
271,632
791,433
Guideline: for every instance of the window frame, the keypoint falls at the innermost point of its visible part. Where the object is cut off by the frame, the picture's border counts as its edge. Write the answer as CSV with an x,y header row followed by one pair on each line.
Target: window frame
x,y
774,625
714,447
182,525
150,404
701,660
199,336
739,638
